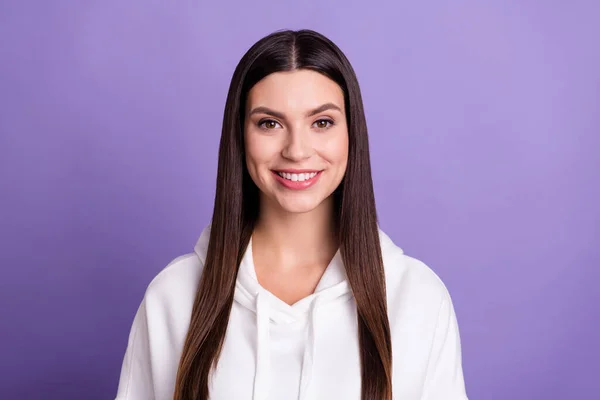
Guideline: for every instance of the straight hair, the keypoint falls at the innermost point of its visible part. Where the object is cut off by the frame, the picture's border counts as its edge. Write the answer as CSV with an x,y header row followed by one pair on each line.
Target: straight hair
x,y
236,211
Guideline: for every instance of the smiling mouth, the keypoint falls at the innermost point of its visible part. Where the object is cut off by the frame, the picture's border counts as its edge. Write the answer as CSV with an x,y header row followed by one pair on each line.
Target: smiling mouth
x,y
297,180
297,177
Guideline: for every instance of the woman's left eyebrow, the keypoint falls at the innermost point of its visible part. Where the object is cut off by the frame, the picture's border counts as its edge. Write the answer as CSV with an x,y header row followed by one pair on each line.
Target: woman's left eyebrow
x,y
277,114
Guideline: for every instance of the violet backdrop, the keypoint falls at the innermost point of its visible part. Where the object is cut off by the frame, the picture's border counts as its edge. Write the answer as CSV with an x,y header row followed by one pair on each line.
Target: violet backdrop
x,y
484,124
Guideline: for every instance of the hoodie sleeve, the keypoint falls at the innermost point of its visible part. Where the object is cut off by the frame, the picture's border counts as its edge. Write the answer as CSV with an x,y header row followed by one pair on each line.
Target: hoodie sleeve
x,y
136,381
444,379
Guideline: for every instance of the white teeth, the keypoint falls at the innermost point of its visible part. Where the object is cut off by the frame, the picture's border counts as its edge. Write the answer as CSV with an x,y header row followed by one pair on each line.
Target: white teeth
x,y
297,177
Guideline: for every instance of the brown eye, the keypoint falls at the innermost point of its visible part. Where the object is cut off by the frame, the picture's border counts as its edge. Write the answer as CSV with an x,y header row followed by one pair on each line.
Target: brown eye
x,y
322,123
267,124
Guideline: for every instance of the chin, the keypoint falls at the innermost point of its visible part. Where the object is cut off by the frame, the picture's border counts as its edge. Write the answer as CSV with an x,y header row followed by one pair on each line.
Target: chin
x,y
299,206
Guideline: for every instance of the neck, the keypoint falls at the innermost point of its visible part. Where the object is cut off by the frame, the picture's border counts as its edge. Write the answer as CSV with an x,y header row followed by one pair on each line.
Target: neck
x,y
297,238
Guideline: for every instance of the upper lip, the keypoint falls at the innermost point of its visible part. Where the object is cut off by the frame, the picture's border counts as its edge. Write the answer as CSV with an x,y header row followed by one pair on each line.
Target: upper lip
x,y
298,171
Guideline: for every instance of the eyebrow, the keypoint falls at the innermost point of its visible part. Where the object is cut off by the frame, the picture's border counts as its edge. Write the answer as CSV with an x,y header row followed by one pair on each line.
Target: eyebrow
x,y
277,114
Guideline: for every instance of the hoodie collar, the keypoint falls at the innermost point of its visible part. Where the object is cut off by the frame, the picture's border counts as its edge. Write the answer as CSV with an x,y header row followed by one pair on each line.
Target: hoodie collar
x,y
333,286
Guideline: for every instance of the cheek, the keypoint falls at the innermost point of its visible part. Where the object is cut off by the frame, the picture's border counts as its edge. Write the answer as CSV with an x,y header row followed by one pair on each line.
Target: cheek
x,y
259,151
336,150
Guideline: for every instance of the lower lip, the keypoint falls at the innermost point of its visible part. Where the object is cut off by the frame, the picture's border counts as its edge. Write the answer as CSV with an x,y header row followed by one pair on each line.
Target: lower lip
x,y
298,185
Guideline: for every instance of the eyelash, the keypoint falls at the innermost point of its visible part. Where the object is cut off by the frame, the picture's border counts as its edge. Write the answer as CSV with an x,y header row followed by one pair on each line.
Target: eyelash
x,y
261,122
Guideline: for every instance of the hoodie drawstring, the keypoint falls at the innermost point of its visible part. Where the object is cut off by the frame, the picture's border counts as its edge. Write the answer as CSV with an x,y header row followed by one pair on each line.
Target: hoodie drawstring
x,y
309,352
262,377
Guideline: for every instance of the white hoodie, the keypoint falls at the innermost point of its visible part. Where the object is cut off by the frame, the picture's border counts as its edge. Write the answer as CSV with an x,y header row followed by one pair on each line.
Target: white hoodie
x,y
306,351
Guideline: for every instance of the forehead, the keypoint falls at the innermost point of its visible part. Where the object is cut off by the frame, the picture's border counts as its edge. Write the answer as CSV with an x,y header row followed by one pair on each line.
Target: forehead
x,y
297,90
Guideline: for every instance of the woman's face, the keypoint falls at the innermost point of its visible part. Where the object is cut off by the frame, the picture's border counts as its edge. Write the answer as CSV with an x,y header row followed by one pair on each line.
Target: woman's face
x,y
296,139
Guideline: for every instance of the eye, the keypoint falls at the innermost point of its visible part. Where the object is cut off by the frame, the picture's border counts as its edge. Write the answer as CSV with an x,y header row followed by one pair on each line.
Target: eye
x,y
268,124
322,123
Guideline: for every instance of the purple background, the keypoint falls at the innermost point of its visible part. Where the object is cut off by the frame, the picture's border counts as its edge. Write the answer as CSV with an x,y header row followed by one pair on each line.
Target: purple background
x,y
484,126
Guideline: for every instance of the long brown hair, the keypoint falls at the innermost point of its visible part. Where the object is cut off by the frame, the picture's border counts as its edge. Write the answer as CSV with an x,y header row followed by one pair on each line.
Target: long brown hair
x,y
236,210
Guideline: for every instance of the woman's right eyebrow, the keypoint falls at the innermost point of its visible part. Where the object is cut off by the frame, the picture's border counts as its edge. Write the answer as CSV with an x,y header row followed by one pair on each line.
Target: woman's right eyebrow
x,y
268,111
277,114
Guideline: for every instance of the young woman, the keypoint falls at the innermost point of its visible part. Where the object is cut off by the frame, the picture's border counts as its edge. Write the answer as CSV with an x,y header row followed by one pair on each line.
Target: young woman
x,y
293,291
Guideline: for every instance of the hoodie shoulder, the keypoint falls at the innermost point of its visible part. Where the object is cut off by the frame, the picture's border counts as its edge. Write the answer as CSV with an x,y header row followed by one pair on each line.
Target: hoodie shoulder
x,y
423,323
182,275
407,276
179,278
158,331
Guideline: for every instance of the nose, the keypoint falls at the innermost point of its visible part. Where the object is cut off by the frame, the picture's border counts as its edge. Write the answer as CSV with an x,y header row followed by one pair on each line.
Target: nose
x,y
297,146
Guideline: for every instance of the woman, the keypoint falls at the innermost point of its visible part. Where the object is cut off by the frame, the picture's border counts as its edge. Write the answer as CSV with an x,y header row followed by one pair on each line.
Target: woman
x,y
293,291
